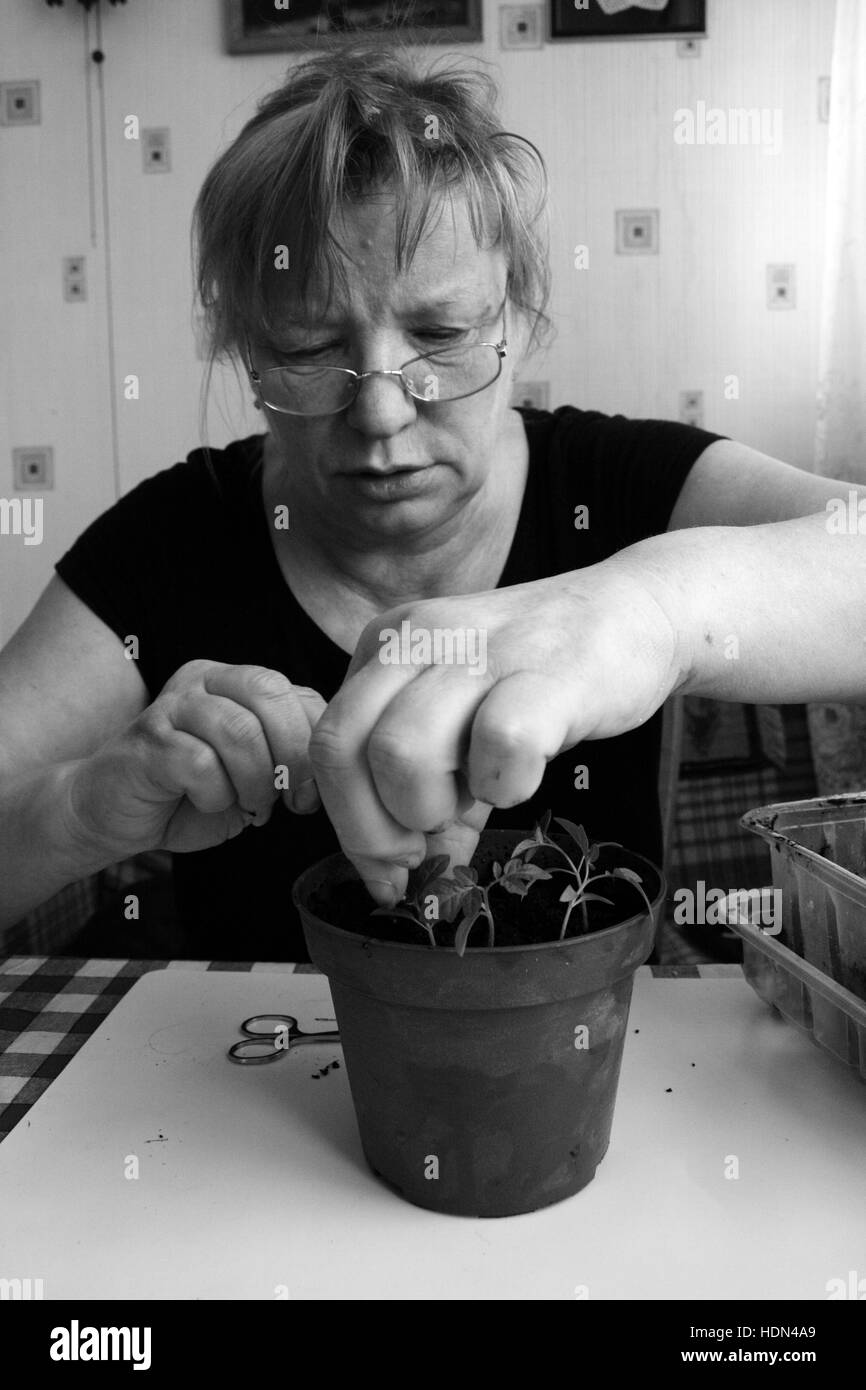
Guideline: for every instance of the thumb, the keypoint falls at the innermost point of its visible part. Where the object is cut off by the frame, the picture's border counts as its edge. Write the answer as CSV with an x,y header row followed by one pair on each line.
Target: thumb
x,y
311,702
301,776
459,839
387,883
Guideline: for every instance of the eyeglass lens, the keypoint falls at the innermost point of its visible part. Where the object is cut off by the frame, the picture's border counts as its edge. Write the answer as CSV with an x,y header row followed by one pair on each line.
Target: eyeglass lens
x,y
441,376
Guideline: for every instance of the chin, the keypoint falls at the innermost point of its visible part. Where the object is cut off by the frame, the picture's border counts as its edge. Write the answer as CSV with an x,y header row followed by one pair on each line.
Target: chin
x,y
401,518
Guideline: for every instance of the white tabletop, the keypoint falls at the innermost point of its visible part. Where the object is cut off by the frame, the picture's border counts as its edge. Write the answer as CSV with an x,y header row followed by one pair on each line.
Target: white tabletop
x,y
251,1183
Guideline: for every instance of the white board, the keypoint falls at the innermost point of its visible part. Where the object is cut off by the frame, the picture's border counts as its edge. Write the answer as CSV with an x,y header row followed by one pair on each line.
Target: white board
x,y
252,1182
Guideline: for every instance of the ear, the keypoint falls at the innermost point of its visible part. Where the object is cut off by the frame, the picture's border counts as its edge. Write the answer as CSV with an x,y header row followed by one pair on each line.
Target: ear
x,y
519,335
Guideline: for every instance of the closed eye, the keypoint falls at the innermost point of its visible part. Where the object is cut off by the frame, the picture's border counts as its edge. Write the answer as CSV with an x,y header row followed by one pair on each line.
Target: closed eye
x,y
436,335
305,353
441,333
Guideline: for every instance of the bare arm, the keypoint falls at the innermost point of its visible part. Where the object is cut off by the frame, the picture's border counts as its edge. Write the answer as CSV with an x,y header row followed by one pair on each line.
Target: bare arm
x,y
765,612
91,773
65,687
733,485
770,613
40,849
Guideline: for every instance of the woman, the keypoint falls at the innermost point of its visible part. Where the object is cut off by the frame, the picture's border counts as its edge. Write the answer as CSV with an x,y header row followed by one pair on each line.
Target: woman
x,y
405,598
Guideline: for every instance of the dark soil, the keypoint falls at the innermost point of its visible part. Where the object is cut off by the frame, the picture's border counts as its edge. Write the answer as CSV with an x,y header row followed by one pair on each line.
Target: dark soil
x,y
519,921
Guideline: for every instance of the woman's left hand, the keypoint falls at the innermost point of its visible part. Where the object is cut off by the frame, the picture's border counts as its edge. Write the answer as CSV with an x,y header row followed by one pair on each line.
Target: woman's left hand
x,y
410,755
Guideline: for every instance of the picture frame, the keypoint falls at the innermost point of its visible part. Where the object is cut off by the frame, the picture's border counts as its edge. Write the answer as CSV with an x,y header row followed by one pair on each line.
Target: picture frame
x,y
260,26
625,19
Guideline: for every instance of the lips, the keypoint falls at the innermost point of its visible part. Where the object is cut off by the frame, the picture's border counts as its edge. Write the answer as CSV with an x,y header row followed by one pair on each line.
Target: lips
x,y
395,483
386,472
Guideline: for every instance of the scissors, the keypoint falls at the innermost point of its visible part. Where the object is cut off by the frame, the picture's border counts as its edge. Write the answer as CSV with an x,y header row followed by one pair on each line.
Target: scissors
x,y
269,1036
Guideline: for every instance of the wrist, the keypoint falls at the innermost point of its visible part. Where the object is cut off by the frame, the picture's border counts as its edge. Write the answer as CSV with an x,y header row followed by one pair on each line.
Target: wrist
x,y
654,592
73,834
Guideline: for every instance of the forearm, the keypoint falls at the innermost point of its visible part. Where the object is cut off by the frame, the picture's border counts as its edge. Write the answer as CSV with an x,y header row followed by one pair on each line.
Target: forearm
x,y
40,849
761,614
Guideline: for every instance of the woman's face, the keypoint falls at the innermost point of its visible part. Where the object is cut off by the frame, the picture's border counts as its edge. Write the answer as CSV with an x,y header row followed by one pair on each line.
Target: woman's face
x,y
343,467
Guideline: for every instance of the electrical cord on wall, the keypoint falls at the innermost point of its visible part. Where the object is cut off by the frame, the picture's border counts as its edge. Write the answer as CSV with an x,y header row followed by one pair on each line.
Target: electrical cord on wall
x,y
97,57
94,58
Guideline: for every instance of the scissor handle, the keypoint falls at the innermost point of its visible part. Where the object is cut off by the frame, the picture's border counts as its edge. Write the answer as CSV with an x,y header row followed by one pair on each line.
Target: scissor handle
x,y
262,1026
254,1050
268,1025
269,1036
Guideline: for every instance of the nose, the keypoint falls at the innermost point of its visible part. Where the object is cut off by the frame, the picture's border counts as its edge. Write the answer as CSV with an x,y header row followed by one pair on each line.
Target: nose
x,y
382,407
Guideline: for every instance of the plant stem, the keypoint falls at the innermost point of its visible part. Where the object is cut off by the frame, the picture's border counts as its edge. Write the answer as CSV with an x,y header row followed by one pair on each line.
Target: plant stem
x,y
551,844
568,911
581,885
489,915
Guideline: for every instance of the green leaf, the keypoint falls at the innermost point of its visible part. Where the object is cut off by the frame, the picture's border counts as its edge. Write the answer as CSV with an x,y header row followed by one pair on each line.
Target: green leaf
x,y
595,898
525,848
449,896
473,902
568,894
515,885
532,873
441,885
497,871
522,877
465,928
543,826
430,869
631,877
464,875
409,916
577,833
397,912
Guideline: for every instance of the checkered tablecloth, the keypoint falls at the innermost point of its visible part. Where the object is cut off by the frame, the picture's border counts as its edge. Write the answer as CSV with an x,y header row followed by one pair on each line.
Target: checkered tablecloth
x,y
50,1005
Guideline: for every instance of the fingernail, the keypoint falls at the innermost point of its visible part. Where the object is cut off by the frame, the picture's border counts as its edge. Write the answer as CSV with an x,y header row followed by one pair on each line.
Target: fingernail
x,y
383,890
410,861
305,798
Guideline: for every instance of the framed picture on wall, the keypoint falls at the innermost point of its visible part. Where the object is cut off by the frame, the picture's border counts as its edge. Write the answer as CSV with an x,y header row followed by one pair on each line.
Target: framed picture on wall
x,y
270,26
627,19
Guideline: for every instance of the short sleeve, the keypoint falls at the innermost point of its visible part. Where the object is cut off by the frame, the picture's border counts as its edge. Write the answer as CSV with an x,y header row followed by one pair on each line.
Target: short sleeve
x,y
641,468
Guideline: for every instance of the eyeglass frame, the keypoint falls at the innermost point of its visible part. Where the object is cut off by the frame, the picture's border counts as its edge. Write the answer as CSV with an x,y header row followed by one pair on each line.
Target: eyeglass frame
x,y
501,348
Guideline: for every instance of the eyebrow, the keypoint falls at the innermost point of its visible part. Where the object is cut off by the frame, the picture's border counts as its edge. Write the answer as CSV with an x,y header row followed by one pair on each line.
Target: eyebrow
x,y
431,305
446,304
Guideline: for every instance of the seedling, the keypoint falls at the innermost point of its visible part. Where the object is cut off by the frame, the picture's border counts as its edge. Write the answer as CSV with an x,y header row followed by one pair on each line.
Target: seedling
x,y
433,897
575,894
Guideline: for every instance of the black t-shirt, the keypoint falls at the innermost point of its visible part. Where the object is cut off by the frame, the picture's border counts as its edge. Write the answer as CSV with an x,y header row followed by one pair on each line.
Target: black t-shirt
x,y
185,562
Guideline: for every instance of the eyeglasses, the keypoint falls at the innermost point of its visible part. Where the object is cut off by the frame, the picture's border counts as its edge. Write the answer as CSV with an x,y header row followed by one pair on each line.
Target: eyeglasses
x,y
447,374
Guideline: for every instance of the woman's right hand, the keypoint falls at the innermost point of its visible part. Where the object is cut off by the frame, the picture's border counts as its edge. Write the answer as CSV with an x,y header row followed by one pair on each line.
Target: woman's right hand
x,y
209,757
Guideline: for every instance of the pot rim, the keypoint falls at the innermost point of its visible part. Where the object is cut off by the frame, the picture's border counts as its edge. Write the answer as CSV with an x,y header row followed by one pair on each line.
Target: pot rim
x,y
333,860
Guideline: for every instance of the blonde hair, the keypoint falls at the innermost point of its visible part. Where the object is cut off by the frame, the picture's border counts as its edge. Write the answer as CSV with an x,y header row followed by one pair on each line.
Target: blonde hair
x,y
346,123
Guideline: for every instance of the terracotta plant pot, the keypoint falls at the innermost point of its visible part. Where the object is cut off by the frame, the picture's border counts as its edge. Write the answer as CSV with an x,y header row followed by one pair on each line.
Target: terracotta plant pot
x,y
483,1085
